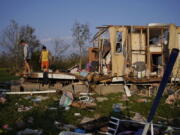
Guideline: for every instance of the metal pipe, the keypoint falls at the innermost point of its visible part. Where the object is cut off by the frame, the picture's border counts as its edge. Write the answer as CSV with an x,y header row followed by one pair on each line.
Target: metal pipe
x,y
164,81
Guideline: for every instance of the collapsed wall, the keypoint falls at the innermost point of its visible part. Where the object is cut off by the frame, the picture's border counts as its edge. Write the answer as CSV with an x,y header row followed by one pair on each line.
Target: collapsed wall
x,y
136,53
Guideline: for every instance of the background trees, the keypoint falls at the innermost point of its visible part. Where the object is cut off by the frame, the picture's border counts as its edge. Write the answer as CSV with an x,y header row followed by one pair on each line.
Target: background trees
x,y
10,39
81,34
60,46
11,54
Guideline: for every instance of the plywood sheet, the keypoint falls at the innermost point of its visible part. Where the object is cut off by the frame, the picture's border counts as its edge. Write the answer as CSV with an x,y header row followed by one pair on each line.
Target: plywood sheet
x,y
118,60
156,49
138,41
138,57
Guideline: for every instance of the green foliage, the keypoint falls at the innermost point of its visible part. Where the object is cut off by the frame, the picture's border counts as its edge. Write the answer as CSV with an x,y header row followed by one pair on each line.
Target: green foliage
x,y
44,118
64,63
35,61
6,76
12,57
81,34
10,39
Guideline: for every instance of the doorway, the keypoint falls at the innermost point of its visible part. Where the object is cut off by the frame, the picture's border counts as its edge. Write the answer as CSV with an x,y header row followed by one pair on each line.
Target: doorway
x,y
156,63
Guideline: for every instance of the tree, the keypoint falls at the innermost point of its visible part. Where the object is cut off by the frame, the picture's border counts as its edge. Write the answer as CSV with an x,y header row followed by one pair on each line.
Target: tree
x,y
81,35
10,39
27,34
60,46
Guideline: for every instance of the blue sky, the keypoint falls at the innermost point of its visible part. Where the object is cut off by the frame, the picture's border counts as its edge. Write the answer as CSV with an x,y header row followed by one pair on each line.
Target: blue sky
x,y
54,18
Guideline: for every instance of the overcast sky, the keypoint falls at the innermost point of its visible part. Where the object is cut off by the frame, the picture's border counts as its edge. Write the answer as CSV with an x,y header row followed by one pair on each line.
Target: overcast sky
x,y
54,18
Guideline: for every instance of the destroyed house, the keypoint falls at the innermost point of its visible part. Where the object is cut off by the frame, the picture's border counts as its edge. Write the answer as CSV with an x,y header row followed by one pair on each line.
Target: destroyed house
x,y
136,53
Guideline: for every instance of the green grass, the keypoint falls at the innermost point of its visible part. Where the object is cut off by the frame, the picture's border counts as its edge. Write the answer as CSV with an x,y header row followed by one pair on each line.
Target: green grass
x,y
6,76
44,118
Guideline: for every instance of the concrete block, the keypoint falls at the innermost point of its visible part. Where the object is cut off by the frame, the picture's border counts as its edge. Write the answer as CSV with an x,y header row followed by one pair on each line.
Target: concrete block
x,y
108,89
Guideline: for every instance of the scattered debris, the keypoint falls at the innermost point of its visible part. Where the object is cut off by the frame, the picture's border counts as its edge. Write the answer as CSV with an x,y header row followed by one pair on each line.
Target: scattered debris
x,y
101,99
128,92
77,114
103,130
124,98
67,108
78,130
86,94
86,119
116,107
3,90
138,117
169,130
97,116
84,73
52,108
23,108
36,99
173,97
27,97
28,131
142,100
74,69
170,99
66,99
83,105
30,92
3,100
39,98
86,99
62,126
55,98
6,127
113,125
72,133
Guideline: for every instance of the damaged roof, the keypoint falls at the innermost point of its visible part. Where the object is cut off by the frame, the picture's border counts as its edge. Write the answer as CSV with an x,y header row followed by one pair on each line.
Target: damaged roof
x,y
104,28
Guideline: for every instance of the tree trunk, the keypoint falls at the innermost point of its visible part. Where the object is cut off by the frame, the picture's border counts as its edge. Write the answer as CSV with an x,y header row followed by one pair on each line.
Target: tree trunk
x,y
80,60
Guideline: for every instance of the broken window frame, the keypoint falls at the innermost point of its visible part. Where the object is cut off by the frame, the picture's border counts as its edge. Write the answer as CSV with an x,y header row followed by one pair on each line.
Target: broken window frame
x,y
120,42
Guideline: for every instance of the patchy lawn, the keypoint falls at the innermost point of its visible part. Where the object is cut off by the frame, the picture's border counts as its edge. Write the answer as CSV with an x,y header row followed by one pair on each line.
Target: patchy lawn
x,y
44,118
6,76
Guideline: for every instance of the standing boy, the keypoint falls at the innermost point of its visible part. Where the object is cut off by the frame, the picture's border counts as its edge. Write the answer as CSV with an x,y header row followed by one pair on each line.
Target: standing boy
x,y
27,57
44,57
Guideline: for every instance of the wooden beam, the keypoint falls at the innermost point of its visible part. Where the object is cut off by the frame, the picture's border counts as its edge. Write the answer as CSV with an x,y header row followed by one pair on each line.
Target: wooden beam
x,y
30,92
148,52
